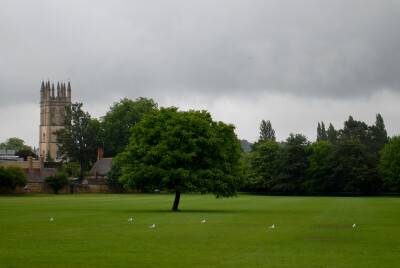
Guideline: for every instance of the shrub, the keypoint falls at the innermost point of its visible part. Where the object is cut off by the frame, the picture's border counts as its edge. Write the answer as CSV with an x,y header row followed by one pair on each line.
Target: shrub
x,y
57,181
11,177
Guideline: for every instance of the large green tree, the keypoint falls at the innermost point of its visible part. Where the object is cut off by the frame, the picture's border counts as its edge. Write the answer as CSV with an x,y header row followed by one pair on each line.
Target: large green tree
x,y
119,120
390,165
24,153
318,172
14,144
262,165
80,137
182,151
352,169
11,177
291,166
267,133
332,134
321,132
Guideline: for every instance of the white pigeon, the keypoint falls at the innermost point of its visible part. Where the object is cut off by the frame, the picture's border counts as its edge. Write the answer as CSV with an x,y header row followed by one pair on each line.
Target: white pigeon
x,y
51,219
153,226
130,219
271,227
354,225
203,221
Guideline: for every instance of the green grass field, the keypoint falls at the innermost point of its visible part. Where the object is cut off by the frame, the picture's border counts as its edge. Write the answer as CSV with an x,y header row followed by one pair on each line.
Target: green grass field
x,y
93,231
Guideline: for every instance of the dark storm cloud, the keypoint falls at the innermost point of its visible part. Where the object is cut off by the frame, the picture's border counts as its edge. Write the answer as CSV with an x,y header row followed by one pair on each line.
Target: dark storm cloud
x,y
335,49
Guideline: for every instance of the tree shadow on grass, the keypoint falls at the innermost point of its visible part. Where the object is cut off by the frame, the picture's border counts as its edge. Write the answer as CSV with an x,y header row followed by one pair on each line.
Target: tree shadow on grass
x,y
184,211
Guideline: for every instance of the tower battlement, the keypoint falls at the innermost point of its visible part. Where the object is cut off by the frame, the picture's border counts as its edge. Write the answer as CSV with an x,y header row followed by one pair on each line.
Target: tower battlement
x,y
52,114
48,93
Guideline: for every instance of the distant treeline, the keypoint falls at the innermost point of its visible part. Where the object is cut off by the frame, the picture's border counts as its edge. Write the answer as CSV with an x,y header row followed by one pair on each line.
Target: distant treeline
x,y
357,159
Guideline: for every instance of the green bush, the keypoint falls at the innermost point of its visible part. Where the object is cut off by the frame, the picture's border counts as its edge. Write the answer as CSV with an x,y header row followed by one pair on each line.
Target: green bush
x,y
73,169
57,181
11,177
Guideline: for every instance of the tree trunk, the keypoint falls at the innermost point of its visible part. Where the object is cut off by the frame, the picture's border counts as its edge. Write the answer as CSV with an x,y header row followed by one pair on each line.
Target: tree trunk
x,y
176,202
82,171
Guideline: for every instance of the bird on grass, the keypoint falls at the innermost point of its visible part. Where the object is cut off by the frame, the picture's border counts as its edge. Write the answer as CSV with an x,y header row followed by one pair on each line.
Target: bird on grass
x,y
153,226
130,219
354,225
51,219
203,221
271,227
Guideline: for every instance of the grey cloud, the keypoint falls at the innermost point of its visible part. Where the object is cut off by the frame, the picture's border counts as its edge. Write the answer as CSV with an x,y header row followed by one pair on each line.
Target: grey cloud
x,y
336,49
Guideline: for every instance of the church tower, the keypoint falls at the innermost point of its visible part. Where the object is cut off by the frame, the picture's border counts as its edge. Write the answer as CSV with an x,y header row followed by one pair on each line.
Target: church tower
x,y
52,113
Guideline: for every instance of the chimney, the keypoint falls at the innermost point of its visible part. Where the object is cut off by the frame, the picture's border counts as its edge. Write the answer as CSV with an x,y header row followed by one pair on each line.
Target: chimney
x,y
99,153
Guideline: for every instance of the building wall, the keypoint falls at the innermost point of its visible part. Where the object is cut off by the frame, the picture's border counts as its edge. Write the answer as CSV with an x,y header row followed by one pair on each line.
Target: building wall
x,y
24,164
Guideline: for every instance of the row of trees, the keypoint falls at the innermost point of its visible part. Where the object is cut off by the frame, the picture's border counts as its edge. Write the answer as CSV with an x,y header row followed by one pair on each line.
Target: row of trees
x,y
179,151
83,134
356,159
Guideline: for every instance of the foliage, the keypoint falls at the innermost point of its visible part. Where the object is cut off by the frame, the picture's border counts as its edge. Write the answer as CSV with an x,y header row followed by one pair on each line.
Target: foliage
x,y
267,133
390,165
117,123
318,172
322,135
182,152
378,136
24,153
11,177
115,173
72,168
57,181
14,144
332,134
351,168
48,157
262,165
79,139
291,166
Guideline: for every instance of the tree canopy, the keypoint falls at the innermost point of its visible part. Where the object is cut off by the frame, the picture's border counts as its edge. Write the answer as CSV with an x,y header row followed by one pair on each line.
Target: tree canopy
x,y
390,165
182,151
291,165
15,144
80,138
119,120
57,181
11,177
267,133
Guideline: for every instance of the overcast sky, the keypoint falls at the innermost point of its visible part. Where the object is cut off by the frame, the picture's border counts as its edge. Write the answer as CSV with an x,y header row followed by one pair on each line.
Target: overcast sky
x,y
294,63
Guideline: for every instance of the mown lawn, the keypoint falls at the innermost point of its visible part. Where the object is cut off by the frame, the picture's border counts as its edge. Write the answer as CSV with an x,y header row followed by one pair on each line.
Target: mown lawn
x,y
93,231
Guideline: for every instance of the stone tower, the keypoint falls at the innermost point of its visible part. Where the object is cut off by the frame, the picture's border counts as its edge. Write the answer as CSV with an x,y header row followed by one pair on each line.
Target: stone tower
x,y
52,113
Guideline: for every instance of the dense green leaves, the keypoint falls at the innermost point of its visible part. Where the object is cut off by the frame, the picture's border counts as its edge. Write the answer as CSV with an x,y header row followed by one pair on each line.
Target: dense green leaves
x,y
390,165
57,181
267,133
318,172
80,137
262,165
24,153
14,144
291,166
117,123
11,177
340,161
115,173
351,168
182,152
